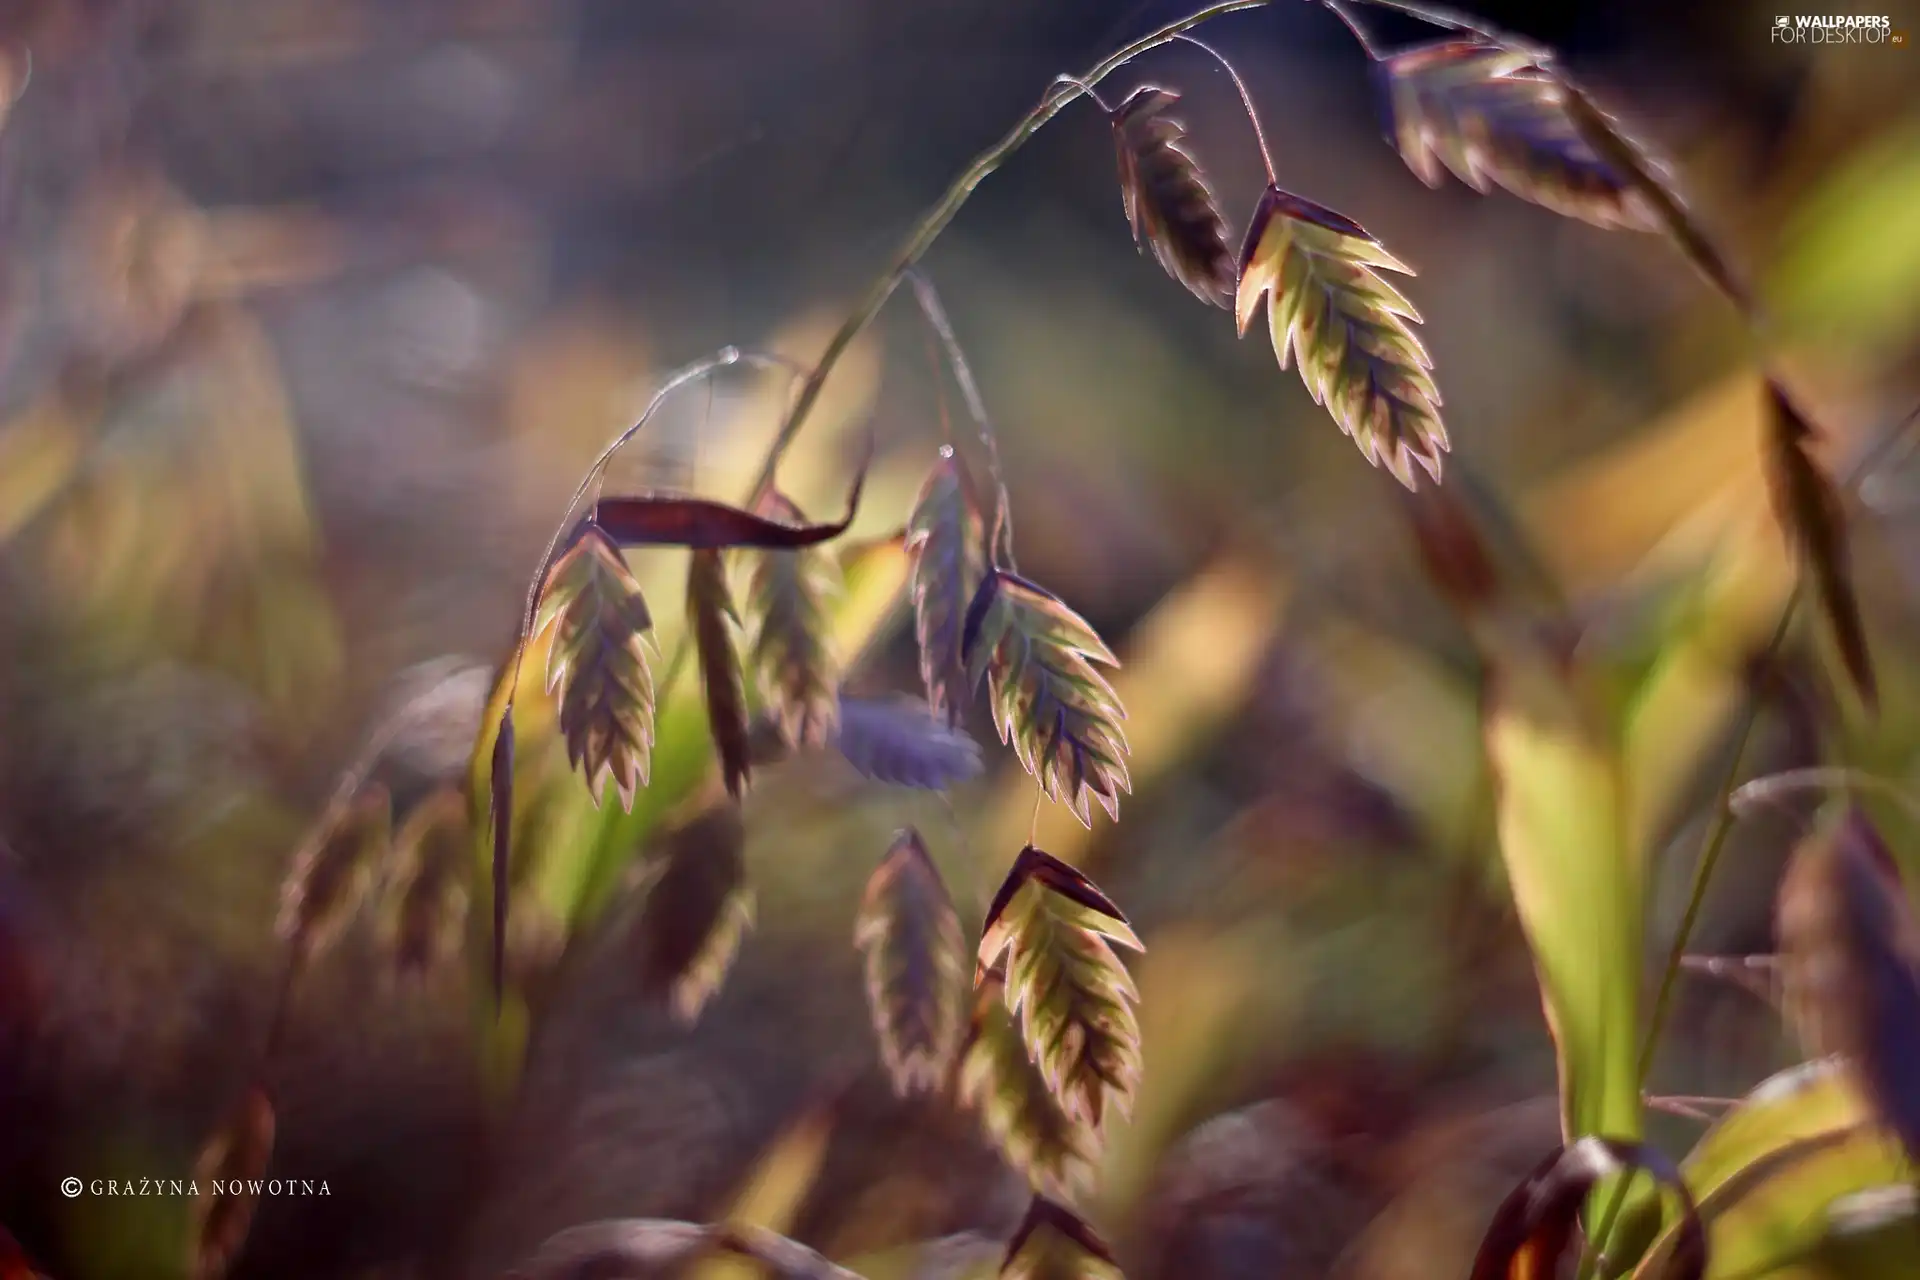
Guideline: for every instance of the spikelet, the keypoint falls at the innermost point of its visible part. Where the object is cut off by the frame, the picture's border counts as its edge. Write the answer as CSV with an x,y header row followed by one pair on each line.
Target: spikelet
x,y
1169,205
1810,510
698,908
233,1159
915,964
1055,1243
899,741
1850,965
712,618
946,546
427,897
1350,330
1494,116
597,664
333,870
1059,714
789,646
1074,997
999,1083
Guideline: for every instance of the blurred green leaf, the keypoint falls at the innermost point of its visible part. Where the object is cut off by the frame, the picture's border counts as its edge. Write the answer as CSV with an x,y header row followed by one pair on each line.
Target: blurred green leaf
x,y
1800,1102
1849,270
1577,882
1775,1216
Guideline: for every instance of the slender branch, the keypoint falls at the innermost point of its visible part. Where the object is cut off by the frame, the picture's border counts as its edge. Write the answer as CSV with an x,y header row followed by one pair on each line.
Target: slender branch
x,y
1001,536
929,228
1246,101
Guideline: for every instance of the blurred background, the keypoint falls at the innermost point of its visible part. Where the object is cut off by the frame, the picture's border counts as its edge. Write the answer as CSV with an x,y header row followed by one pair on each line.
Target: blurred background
x,y
312,312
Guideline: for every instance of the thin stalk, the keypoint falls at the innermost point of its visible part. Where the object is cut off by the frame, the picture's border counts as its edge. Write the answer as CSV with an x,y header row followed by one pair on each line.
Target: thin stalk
x,y
1001,536
1246,101
1716,841
1082,86
929,227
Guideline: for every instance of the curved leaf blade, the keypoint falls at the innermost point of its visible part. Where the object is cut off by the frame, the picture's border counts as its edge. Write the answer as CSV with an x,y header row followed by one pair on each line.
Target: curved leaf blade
x,y
1533,1230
